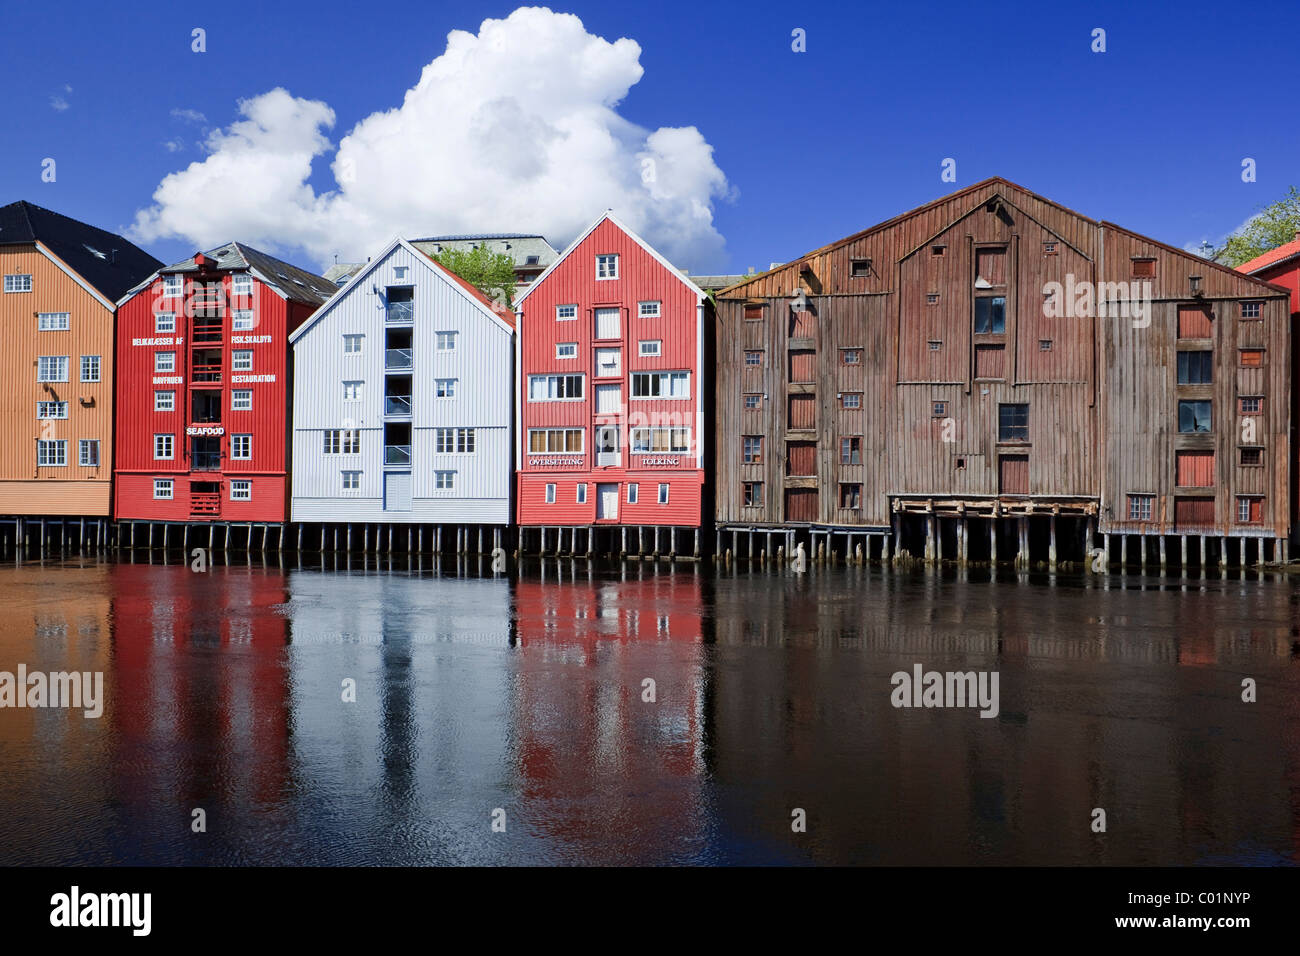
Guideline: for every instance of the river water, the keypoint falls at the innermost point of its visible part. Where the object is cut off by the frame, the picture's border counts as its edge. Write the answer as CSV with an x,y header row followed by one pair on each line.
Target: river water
x,y
509,720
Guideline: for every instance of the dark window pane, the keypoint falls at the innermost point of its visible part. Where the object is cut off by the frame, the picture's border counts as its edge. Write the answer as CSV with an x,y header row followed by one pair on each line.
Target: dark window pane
x,y
991,315
1013,422
1193,416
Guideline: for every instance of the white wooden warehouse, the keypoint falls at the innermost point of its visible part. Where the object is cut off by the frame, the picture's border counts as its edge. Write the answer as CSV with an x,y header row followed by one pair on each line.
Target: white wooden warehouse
x,y
402,405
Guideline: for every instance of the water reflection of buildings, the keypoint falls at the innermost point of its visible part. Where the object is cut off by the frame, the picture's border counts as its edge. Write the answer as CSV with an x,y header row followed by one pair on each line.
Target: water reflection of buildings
x,y
607,776
1095,712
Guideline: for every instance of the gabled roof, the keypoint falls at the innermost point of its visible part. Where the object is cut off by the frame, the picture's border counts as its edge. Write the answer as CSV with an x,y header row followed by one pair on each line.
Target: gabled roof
x,y
618,224
104,260
295,283
1273,257
499,314
1235,273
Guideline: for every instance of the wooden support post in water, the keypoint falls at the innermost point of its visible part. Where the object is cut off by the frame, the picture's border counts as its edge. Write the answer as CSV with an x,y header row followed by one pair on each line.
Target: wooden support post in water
x,y
1202,537
1182,567
1051,542
1164,563
929,540
961,541
1123,552
1022,559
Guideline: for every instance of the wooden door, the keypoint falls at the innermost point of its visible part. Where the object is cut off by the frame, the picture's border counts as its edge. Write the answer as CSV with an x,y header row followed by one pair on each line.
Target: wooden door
x,y
1013,475
801,504
803,412
801,459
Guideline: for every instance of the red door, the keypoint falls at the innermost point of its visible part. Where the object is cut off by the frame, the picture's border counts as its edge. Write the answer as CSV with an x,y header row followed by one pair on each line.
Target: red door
x,y
1013,475
801,459
803,366
1193,514
803,412
801,504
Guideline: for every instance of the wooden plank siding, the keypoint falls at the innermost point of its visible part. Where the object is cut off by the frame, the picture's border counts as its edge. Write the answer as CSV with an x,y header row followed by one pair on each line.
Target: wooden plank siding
x,y
1101,390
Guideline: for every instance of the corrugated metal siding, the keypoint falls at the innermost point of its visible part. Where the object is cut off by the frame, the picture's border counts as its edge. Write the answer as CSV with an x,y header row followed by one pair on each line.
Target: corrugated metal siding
x,y
678,327
52,490
482,365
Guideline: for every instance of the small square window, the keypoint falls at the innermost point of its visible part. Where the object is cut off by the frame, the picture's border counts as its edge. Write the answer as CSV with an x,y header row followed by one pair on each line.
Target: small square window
x,y
959,464
1049,247
1044,345
607,267
352,344
565,313
241,490
445,341
938,409
753,400
399,272
241,285
932,298
648,310
851,497
241,447
851,450
1252,310
164,361
938,250
90,368
444,480
164,401
934,345
1140,507
173,287
753,358
752,449
162,489
860,268
351,480
850,356
851,401
1250,405
1250,509
1144,267
241,360
241,400
243,320
1252,457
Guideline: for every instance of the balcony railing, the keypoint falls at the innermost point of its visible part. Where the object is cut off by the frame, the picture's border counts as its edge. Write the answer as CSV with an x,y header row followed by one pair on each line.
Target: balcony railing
x,y
397,405
397,358
205,504
206,332
400,313
397,454
206,373
206,461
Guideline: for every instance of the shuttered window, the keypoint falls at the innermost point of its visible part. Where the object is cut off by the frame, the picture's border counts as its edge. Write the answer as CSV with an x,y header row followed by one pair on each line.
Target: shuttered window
x,y
1194,322
1195,469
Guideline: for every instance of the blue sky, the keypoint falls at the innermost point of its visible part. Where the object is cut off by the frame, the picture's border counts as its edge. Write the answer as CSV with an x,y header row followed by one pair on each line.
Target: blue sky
x,y
815,145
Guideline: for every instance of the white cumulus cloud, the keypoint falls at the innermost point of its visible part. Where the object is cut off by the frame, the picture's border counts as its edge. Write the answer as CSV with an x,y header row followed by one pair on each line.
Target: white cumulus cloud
x,y
515,128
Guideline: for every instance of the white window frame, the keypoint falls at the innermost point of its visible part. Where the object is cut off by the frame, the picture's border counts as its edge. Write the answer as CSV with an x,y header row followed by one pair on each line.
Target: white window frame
x,y
666,376
352,390
663,492
83,446
164,362
57,446
173,287
650,348
164,405
561,317
45,408
164,322
241,447
444,479
52,368
633,491
654,310
241,285
53,321
606,266
649,431
550,493
350,479
350,339
241,360
580,495
444,388
170,441
91,368
243,320
241,400
13,283
563,433
164,489
555,382
241,484
444,341
566,350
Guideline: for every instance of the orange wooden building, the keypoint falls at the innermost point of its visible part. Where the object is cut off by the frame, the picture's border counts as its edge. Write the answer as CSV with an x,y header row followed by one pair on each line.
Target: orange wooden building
x,y
61,279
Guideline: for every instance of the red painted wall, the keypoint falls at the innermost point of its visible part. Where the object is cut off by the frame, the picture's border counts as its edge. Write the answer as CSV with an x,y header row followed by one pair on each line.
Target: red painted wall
x,y
267,422
642,278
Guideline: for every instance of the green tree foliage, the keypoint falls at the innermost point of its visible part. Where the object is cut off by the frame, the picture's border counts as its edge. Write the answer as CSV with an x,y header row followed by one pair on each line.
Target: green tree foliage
x,y
1274,225
492,273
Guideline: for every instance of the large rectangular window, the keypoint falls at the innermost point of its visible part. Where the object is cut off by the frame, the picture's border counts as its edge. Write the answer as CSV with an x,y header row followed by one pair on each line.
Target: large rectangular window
x,y
550,388
752,450
241,447
51,409
90,368
18,283
1140,507
1013,422
1195,368
454,441
674,385
52,454
648,441
88,452
851,451
346,441
52,368
555,440
164,447
1194,416
53,321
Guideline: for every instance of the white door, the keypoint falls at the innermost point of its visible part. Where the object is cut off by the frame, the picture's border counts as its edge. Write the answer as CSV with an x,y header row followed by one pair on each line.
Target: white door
x,y
608,363
397,491
607,501
607,322
609,399
607,445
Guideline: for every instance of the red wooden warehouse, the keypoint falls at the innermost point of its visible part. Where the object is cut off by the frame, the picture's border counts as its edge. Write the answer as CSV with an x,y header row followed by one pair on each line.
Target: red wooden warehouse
x,y
202,413
615,351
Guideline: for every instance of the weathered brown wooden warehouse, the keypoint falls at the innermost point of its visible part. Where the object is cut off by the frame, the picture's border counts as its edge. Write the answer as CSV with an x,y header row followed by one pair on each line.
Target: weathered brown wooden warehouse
x,y
993,375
